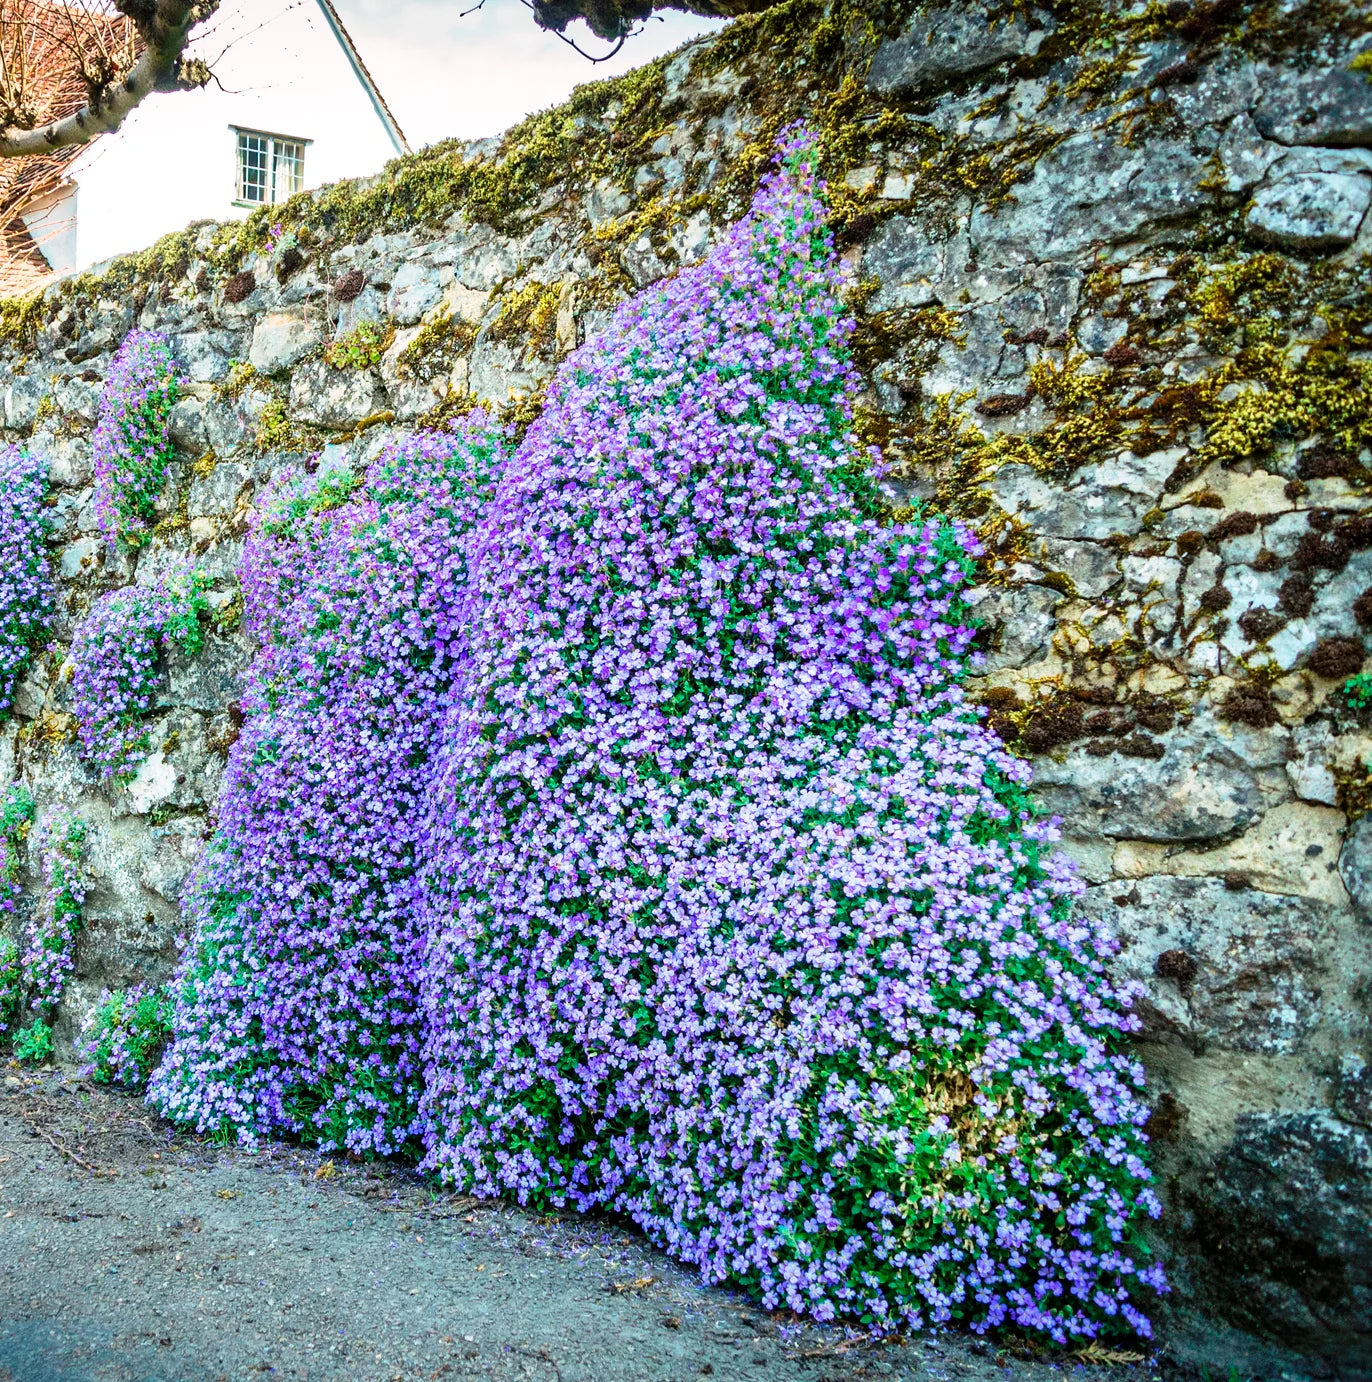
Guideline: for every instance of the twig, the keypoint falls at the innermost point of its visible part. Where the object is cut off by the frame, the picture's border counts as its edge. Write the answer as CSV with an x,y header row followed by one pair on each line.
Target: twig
x,y
66,1151
575,46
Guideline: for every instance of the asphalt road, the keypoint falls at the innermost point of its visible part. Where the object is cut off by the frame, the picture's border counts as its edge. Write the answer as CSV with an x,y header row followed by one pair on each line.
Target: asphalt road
x,y
130,1252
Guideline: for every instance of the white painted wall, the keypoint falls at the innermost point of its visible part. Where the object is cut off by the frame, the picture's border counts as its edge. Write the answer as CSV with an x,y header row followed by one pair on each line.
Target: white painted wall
x,y
278,69
51,221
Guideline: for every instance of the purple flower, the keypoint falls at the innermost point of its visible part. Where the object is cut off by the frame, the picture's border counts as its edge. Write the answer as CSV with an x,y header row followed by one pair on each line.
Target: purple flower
x,y
26,588
124,1034
48,956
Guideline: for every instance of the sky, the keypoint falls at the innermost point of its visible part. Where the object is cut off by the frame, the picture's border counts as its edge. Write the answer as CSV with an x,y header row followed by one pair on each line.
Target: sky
x,y
444,73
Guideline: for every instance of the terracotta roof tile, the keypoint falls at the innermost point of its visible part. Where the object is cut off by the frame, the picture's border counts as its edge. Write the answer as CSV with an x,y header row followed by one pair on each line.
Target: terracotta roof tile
x,y
48,42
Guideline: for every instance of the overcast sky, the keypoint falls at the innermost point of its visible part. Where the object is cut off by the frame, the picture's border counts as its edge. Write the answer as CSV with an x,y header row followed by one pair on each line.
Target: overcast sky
x,y
445,74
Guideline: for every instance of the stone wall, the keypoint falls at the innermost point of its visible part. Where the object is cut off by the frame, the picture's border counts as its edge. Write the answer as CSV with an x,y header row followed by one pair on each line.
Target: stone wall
x,y
1113,277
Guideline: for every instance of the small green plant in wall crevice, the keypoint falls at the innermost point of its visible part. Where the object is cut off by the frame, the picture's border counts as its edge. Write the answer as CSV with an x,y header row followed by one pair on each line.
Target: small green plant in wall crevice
x,y
1356,692
361,348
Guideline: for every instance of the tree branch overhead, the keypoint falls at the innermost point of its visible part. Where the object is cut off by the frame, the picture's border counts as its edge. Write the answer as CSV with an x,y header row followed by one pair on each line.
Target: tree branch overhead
x,y
161,30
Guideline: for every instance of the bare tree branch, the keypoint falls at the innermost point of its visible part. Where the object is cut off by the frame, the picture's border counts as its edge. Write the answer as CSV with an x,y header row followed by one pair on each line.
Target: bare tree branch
x,y
115,88
615,19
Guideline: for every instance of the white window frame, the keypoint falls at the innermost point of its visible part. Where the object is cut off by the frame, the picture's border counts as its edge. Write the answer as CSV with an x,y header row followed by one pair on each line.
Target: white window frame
x,y
272,145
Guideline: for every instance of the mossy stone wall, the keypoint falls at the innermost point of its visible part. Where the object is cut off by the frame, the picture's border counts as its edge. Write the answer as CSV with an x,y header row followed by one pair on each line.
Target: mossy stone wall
x,y
1112,271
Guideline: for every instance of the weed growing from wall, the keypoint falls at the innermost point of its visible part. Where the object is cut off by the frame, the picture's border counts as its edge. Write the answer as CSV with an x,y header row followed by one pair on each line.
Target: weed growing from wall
x,y
26,588
117,664
132,444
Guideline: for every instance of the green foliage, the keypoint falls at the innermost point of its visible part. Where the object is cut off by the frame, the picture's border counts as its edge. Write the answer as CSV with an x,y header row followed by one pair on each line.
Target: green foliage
x,y
11,983
361,348
1356,692
33,1044
185,626
16,816
16,819
67,844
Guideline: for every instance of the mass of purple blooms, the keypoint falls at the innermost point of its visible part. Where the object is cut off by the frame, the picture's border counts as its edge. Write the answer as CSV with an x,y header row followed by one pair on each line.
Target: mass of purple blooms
x,y
132,443
48,956
117,665
26,589
303,1011
609,827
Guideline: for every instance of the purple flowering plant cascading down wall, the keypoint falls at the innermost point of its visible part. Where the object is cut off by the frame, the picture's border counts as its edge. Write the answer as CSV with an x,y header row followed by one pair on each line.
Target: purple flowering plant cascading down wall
x,y
26,588
679,880
117,664
48,956
132,445
302,1014
17,808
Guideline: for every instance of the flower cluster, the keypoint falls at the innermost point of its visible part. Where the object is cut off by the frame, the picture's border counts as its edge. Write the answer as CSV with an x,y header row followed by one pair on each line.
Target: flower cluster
x,y
609,822
117,664
301,1009
11,983
132,443
16,816
124,1035
48,955
26,589
40,970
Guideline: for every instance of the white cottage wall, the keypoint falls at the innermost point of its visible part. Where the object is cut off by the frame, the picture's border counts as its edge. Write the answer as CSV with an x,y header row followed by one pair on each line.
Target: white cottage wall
x,y
278,69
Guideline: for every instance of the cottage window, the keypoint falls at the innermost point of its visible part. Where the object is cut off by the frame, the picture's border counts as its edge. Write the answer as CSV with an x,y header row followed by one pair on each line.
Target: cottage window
x,y
270,168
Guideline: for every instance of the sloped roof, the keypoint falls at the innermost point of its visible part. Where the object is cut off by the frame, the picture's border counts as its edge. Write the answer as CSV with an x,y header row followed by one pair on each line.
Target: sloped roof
x,y
47,41
383,111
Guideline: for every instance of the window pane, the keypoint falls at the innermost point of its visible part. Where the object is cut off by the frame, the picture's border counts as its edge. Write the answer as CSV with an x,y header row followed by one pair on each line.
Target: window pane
x,y
288,168
252,167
